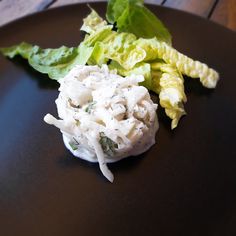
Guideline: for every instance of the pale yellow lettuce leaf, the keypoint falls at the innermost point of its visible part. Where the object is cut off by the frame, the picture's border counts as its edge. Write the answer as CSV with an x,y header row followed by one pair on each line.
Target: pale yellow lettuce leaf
x,y
169,84
187,66
93,22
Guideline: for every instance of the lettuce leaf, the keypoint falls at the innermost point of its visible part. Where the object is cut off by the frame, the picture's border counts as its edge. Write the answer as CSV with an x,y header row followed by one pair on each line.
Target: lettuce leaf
x,y
115,46
23,49
160,64
115,8
93,22
54,62
133,17
141,68
169,84
185,65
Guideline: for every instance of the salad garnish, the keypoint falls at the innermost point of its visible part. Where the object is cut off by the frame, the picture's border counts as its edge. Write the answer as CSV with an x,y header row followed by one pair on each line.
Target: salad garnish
x,y
133,41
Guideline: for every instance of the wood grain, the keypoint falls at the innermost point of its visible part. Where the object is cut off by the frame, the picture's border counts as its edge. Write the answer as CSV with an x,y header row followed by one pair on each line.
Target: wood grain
x,y
202,8
14,9
67,2
225,14
156,2
221,11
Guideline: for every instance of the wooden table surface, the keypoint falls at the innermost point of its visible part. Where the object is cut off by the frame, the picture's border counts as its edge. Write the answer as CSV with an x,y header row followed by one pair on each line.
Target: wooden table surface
x,y
220,11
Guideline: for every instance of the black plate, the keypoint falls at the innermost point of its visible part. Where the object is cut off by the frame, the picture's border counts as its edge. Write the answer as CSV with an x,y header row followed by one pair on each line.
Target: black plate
x,y
184,185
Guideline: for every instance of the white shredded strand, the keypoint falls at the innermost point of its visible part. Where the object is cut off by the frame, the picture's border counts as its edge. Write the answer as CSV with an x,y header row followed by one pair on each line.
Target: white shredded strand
x,y
101,159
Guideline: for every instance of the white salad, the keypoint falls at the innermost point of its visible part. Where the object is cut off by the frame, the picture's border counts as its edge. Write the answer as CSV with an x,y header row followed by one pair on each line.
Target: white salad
x,y
104,117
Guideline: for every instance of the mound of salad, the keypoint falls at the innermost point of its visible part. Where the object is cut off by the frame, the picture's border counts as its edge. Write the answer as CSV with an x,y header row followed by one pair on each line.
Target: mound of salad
x,y
104,117
104,107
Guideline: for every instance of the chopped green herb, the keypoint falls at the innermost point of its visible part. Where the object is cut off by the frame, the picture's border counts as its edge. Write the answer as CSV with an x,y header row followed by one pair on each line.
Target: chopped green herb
x,y
74,144
90,107
108,146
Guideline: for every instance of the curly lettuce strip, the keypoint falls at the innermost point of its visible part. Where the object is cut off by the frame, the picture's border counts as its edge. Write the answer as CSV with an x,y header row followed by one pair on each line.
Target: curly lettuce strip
x,y
185,65
169,84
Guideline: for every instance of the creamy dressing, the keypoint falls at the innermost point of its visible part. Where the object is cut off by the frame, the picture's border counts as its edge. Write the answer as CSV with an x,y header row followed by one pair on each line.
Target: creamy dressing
x,y
104,117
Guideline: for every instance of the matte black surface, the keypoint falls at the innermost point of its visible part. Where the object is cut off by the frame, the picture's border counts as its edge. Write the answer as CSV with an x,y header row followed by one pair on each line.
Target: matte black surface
x,y
186,183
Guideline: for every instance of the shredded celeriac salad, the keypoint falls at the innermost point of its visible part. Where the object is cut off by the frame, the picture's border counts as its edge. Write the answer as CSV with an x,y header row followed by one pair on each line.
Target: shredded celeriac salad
x,y
104,117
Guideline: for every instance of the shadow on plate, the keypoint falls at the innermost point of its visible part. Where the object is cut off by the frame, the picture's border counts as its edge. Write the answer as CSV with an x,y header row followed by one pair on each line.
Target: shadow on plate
x,y
194,86
43,81
124,165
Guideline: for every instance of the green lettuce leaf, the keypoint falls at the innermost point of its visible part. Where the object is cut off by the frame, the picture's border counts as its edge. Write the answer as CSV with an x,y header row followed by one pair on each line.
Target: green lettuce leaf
x,y
115,8
98,55
133,17
115,46
54,62
23,49
93,22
